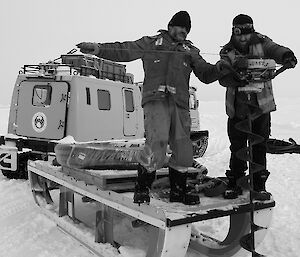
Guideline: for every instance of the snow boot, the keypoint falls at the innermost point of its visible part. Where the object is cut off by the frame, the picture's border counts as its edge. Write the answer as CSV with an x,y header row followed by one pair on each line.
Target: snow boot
x,y
259,186
143,185
233,190
179,191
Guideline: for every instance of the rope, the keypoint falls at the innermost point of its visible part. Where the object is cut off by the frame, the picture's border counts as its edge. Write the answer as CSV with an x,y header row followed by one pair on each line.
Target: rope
x,y
72,51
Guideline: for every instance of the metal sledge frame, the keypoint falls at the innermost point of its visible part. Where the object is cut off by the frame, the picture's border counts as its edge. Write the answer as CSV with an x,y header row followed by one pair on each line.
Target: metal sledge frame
x,y
170,230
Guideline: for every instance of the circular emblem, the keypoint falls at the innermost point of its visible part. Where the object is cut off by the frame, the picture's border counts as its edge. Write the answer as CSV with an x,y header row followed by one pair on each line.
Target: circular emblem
x,y
39,122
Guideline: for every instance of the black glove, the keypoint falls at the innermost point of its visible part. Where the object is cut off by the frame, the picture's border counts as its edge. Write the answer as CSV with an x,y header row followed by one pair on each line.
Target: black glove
x,y
289,60
223,67
88,48
241,63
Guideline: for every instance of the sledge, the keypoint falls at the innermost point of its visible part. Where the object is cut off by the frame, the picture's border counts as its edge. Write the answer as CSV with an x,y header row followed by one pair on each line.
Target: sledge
x,y
172,229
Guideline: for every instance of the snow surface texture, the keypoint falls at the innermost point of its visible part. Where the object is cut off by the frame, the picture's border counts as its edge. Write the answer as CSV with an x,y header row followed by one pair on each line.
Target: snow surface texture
x,y
26,232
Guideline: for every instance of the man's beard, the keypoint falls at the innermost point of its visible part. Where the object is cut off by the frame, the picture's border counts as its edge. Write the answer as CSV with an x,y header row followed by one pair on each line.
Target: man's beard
x,y
241,48
181,36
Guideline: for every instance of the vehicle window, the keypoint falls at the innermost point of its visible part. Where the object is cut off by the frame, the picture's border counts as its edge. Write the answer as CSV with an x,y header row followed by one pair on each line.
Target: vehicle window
x,y
41,95
104,102
193,105
129,101
88,96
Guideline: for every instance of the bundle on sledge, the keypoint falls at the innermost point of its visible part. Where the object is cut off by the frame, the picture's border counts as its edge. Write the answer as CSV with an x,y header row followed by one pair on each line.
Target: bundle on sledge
x,y
276,146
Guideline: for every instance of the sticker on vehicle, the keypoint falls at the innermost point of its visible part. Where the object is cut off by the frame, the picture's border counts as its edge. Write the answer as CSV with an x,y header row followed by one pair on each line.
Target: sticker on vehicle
x,y
39,122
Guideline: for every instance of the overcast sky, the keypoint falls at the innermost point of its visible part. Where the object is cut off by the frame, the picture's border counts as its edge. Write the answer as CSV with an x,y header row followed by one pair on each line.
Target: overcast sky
x,y
35,31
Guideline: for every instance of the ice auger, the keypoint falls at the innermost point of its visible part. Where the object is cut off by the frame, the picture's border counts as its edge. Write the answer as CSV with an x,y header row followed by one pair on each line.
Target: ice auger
x,y
255,73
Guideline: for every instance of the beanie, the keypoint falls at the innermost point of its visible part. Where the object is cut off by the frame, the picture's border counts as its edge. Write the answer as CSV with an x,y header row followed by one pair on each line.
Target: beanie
x,y
181,19
242,19
242,24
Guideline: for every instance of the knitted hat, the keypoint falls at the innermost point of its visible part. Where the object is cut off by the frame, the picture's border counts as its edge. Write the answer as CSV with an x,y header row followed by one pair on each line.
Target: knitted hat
x,y
242,24
181,19
242,19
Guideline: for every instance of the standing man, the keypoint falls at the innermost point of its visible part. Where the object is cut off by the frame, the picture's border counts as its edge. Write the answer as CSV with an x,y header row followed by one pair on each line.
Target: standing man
x,y
168,60
246,43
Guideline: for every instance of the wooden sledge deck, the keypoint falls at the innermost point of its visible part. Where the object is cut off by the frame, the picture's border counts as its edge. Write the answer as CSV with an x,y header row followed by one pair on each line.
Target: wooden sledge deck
x,y
115,180
171,220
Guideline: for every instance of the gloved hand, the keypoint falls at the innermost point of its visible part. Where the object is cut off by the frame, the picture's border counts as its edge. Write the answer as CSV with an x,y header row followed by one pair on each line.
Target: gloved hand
x,y
241,63
289,60
88,48
223,67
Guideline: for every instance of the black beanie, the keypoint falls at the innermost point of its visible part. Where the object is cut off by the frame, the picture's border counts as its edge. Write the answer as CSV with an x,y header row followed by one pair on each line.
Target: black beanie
x,y
242,19
181,19
242,24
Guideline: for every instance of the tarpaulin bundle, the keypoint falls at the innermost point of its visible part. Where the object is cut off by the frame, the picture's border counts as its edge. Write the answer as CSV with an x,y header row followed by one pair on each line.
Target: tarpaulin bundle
x,y
276,146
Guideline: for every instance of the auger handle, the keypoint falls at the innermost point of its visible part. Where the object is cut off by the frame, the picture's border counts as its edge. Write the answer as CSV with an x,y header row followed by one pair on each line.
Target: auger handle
x,y
280,70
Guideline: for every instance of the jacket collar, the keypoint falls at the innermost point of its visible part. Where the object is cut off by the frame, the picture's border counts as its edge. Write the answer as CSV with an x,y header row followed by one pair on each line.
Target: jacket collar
x,y
167,37
255,39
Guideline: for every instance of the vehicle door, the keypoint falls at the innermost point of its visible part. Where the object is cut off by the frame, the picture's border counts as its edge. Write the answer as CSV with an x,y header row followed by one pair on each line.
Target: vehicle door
x,y
130,112
194,112
41,111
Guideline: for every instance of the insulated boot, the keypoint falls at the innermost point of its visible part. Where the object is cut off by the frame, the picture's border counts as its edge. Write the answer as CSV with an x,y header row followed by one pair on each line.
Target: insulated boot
x,y
179,192
259,186
143,185
233,190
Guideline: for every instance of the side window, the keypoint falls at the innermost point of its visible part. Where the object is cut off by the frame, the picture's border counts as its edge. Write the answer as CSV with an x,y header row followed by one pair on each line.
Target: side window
x,y
129,105
104,102
41,95
88,96
193,105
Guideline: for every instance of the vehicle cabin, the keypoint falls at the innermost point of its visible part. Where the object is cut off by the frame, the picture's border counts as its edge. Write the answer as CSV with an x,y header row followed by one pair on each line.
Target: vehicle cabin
x,y
85,107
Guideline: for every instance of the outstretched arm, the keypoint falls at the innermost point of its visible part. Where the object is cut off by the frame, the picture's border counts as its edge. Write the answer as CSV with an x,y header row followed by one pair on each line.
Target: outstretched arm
x,y
117,51
204,71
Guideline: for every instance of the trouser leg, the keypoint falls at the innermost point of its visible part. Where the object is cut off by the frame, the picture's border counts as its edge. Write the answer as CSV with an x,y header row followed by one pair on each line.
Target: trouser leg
x,y
261,126
238,141
157,123
157,127
182,155
179,140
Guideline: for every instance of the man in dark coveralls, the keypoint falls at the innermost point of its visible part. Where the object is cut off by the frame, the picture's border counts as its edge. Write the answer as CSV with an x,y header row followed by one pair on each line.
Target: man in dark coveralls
x,y
168,60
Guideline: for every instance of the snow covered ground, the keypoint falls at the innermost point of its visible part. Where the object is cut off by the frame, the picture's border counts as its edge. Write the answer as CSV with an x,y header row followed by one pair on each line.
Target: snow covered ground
x,y
26,232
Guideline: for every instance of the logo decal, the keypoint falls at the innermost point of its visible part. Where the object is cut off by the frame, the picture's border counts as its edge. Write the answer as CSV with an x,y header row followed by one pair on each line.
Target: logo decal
x,y
39,122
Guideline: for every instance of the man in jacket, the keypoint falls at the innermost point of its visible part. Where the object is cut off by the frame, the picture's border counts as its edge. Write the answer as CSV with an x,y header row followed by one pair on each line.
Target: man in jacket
x,y
168,60
246,43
